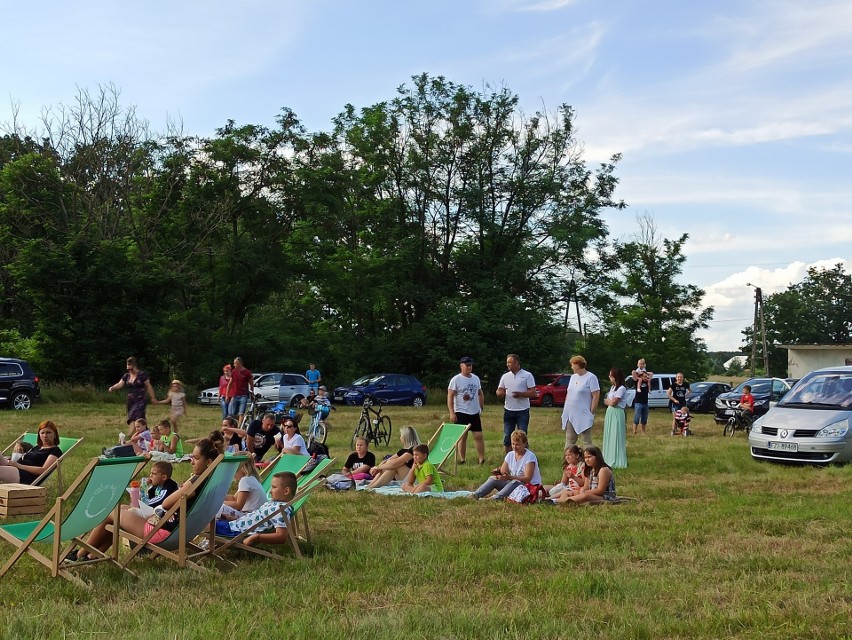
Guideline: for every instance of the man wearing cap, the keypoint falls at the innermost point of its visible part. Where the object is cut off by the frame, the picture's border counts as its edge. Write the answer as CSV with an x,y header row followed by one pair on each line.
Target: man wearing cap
x,y
465,400
516,388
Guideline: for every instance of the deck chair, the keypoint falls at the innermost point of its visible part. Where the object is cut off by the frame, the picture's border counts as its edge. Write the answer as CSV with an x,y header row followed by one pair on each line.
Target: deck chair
x,y
291,462
195,519
65,445
443,444
297,505
105,482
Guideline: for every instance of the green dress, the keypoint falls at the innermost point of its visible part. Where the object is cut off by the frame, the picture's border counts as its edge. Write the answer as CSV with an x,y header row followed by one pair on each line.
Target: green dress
x,y
615,432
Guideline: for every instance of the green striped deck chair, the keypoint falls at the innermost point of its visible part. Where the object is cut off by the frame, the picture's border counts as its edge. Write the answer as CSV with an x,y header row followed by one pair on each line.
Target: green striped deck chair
x,y
291,462
443,444
297,505
195,518
104,482
65,445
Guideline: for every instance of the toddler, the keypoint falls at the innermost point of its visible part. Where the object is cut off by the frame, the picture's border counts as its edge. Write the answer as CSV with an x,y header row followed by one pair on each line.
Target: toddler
x,y
177,398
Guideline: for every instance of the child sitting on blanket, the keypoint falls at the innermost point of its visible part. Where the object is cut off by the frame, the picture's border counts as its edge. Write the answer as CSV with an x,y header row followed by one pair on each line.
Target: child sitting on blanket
x,y
423,476
359,463
282,491
141,438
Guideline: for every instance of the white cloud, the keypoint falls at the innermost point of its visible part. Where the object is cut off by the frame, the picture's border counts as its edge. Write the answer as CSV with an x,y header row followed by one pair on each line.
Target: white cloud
x,y
539,6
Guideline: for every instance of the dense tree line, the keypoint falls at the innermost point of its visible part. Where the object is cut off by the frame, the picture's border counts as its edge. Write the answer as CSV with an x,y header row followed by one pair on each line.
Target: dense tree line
x,y
439,223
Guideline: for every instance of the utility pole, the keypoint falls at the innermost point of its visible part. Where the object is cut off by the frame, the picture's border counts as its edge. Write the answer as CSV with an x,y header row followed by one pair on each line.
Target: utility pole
x,y
759,295
758,317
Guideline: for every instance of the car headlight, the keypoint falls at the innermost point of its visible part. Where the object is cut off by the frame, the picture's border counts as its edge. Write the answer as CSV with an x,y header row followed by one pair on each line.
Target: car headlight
x,y
720,403
834,430
761,403
757,426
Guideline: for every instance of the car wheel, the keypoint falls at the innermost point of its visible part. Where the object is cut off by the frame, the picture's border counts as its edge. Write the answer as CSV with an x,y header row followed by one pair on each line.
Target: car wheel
x,y
296,401
417,402
21,401
547,401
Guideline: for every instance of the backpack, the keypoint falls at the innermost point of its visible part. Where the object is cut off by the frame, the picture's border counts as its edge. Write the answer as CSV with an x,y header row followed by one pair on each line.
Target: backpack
x,y
318,451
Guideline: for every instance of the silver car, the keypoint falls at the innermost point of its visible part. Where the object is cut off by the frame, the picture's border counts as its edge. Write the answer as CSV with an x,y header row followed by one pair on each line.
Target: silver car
x,y
282,387
811,423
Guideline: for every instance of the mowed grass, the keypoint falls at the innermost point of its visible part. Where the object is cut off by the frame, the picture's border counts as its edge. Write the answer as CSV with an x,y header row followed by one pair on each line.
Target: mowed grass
x,y
716,546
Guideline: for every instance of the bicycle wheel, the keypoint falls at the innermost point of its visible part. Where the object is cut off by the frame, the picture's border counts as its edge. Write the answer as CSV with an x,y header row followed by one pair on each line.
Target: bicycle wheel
x,y
319,433
383,430
360,430
730,427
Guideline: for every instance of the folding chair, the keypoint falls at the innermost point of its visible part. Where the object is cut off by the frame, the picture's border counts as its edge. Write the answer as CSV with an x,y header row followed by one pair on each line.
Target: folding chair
x,y
105,483
65,445
195,518
291,462
296,505
443,444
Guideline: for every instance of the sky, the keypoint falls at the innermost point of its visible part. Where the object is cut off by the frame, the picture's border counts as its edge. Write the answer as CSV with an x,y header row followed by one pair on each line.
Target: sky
x,y
733,118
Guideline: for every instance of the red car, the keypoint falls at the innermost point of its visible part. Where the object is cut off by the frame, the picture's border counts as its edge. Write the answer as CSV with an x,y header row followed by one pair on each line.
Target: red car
x,y
551,393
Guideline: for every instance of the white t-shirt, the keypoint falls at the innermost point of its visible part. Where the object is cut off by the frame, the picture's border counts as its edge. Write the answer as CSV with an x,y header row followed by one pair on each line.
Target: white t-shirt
x,y
296,441
521,381
618,393
578,401
518,467
257,495
467,389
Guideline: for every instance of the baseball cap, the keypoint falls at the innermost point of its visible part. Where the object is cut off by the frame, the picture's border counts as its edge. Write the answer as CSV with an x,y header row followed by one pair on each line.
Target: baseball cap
x,y
466,360
322,386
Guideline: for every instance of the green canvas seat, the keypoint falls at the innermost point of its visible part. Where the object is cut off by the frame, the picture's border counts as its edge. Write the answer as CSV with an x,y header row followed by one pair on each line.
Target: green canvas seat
x,y
105,482
194,519
443,444
65,445
294,463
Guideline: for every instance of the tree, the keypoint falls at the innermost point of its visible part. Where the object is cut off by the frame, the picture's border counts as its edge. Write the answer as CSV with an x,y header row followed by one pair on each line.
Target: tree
x,y
817,310
644,312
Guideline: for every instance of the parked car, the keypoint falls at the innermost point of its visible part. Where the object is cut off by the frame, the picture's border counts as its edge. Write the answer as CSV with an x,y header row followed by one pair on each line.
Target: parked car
x,y
766,391
391,388
282,387
18,384
809,424
702,395
211,395
658,391
551,393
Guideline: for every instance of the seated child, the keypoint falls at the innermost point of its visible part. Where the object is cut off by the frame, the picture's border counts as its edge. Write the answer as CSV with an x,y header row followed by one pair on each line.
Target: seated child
x,y
250,494
21,448
160,484
572,473
681,422
423,476
169,442
359,463
746,401
141,438
282,491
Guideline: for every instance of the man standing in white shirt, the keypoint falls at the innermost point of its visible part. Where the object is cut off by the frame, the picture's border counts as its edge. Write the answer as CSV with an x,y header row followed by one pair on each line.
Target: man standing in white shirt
x,y
516,388
465,401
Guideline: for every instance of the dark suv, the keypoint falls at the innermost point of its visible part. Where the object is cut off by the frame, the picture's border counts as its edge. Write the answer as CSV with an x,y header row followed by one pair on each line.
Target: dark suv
x,y
18,384
766,391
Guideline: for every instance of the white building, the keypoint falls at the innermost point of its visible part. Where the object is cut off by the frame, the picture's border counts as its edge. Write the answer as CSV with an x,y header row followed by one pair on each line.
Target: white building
x,y
804,358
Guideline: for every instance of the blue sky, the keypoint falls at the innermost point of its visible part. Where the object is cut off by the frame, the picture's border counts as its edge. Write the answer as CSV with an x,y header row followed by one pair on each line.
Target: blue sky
x,y
734,118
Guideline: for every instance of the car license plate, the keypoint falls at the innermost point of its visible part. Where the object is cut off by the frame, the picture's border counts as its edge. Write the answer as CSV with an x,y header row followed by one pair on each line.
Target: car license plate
x,y
784,446
730,412
205,401
338,398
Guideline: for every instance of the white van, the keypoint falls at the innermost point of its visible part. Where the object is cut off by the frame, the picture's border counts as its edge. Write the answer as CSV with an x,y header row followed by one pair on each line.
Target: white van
x,y
658,393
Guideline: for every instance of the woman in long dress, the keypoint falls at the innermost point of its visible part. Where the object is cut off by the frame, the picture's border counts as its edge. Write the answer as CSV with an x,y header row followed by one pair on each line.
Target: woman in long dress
x,y
139,390
615,428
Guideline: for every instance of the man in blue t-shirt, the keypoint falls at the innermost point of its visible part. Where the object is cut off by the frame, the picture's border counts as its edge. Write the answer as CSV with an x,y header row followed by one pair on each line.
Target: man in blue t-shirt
x,y
313,376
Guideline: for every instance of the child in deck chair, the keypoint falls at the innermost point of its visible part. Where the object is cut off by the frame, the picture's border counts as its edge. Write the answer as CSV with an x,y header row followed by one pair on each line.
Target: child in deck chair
x,y
423,476
281,492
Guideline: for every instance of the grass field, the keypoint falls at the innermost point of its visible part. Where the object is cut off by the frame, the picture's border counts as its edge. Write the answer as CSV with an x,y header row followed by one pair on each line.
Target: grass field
x,y
717,546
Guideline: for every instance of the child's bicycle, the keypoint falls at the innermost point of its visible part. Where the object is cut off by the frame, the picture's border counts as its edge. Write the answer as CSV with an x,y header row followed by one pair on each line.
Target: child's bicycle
x,y
740,421
375,428
317,429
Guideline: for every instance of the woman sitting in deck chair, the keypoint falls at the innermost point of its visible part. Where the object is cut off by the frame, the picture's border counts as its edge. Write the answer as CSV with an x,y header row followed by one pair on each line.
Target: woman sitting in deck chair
x,y
35,461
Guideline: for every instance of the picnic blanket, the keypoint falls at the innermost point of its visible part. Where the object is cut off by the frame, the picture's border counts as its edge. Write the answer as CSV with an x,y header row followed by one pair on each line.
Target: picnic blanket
x,y
395,489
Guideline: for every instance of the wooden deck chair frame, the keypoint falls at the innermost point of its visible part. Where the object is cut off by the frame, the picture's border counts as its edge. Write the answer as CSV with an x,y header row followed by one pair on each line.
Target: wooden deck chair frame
x,y
283,462
443,454
65,445
300,518
54,527
298,502
179,546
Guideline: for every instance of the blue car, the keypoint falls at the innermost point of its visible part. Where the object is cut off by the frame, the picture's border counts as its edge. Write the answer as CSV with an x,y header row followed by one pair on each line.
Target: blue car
x,y
390,388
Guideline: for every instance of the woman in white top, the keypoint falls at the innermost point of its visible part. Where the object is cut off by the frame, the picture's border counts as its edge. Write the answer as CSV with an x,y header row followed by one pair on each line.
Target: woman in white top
x,y
519,467
292,441
615,429
581,401
250,494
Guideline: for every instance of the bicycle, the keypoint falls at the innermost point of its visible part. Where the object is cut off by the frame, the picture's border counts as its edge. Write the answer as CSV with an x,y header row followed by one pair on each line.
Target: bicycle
x,y
375,428
740,421
318,428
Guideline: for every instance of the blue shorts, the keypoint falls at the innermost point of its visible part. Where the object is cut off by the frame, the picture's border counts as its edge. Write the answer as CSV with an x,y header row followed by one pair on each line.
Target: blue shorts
x,y
640,413
513,420
224,529
238,405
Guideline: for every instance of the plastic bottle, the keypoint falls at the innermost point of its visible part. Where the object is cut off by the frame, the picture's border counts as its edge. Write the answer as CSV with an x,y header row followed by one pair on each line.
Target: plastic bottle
x,y
134,494
121,438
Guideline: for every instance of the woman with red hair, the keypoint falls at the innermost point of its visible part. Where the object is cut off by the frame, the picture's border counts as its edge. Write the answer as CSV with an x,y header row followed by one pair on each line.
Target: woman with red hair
x,y
35,461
